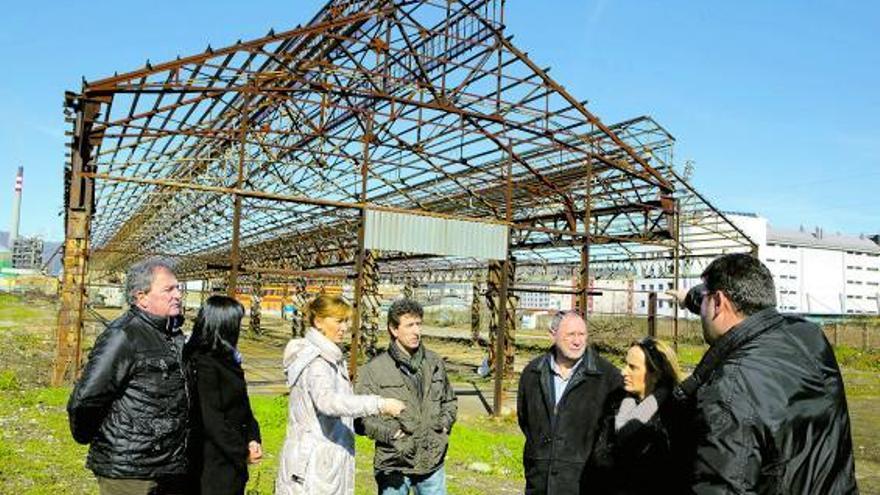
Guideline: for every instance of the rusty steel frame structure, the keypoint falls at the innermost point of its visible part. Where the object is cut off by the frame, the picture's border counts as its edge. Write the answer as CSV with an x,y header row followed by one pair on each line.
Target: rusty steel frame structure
x,y
263,158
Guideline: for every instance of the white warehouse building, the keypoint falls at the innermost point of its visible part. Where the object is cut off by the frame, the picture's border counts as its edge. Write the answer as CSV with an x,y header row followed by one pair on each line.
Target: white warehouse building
x,y
814,273
820,274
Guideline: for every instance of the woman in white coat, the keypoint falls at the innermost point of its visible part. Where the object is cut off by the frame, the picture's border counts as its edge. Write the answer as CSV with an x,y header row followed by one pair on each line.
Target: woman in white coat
x,y
318,452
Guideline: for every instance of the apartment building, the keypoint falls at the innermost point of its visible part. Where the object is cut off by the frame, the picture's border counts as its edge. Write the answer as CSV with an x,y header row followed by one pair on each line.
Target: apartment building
x,y
814,272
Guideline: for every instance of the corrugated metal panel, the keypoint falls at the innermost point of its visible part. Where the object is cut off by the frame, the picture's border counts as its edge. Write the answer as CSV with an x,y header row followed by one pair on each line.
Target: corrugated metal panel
x,y
388,231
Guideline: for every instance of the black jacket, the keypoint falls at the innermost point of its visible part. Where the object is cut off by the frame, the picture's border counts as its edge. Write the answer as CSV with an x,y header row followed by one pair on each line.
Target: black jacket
x,y
131,401
771,413
647,458
223,423
557,456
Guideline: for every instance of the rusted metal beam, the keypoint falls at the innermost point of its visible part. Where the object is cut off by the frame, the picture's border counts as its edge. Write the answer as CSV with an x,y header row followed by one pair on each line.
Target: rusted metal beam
x,y
415,107
109,83
78,216
659,180
652,314
234,254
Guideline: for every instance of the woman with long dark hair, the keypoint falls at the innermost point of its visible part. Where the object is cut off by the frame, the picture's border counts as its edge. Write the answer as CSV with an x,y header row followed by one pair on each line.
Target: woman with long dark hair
x,y
642,439
226,437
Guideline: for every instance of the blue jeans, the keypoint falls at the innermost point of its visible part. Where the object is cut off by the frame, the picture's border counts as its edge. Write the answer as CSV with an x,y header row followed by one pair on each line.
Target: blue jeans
x,y
425,484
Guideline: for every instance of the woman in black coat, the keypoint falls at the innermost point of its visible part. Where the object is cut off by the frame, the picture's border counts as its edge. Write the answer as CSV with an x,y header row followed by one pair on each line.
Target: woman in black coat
x,y
644,438
226,437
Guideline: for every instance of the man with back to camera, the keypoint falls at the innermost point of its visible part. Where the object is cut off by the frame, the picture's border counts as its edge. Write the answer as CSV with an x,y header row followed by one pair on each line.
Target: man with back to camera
x,y
563,399
770,409
131,403
410,449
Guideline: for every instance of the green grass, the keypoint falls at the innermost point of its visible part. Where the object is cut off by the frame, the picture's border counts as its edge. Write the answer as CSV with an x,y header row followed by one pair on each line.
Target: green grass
x,y
496,443
9,380
12,309
851,357
37,454
689,355
271,413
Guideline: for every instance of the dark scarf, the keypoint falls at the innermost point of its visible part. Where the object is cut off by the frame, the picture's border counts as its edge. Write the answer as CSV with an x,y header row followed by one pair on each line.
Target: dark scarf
x,y
735,338
409,365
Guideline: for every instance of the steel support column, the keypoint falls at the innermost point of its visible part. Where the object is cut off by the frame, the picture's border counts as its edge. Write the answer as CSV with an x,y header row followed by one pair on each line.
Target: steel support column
x,y
475,313
205,291
256,305
583,284
504,271
676,268
582,301
298,322
511,318
359,302
652,314
369,323
234,252
409,288
355,348
79,209
183,296
496,319
73,296
502,326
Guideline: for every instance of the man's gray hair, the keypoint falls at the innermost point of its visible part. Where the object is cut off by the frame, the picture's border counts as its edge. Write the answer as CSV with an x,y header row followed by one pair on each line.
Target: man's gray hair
x,y
561,315
140,276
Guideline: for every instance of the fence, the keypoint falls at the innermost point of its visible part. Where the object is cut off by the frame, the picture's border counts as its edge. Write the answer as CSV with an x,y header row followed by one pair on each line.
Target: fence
x,y
863,334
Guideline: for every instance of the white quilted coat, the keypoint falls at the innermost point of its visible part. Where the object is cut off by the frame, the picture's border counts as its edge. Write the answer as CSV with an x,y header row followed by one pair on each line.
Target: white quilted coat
x,y
318,453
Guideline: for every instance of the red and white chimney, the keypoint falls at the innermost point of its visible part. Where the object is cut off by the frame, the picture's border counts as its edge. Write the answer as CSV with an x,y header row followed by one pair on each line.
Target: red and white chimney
x,y
16,206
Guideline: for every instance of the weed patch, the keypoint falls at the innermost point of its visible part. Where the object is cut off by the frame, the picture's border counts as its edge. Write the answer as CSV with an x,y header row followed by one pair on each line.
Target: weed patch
x,y
37,452
851,357
38,455
9,380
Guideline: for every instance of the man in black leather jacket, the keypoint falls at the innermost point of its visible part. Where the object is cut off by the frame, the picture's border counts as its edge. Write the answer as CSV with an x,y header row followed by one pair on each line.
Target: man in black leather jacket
x,y
770,409
131,402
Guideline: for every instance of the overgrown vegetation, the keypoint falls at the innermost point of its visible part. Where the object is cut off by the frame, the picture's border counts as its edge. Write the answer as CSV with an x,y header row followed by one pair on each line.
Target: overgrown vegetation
x,y
13,311
37,453
851,357
38,456
444,317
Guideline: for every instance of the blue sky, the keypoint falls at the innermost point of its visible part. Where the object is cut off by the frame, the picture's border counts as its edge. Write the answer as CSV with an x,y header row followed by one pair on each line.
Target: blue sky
x,y
775,102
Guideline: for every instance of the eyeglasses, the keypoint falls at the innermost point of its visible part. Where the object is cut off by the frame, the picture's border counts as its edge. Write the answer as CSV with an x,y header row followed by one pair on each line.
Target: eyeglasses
x,y
653,356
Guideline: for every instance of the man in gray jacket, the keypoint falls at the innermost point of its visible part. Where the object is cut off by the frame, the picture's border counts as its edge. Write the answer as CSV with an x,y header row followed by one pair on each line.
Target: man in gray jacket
x,y
411,448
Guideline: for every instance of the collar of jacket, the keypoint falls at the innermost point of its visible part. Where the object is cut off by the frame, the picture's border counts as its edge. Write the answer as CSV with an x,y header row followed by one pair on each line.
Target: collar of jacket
x,y
326,347
586,368
735,338
165,324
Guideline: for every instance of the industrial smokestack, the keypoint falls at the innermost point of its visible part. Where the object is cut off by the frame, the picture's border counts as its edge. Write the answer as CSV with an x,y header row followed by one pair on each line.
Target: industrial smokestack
x,y
16,207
